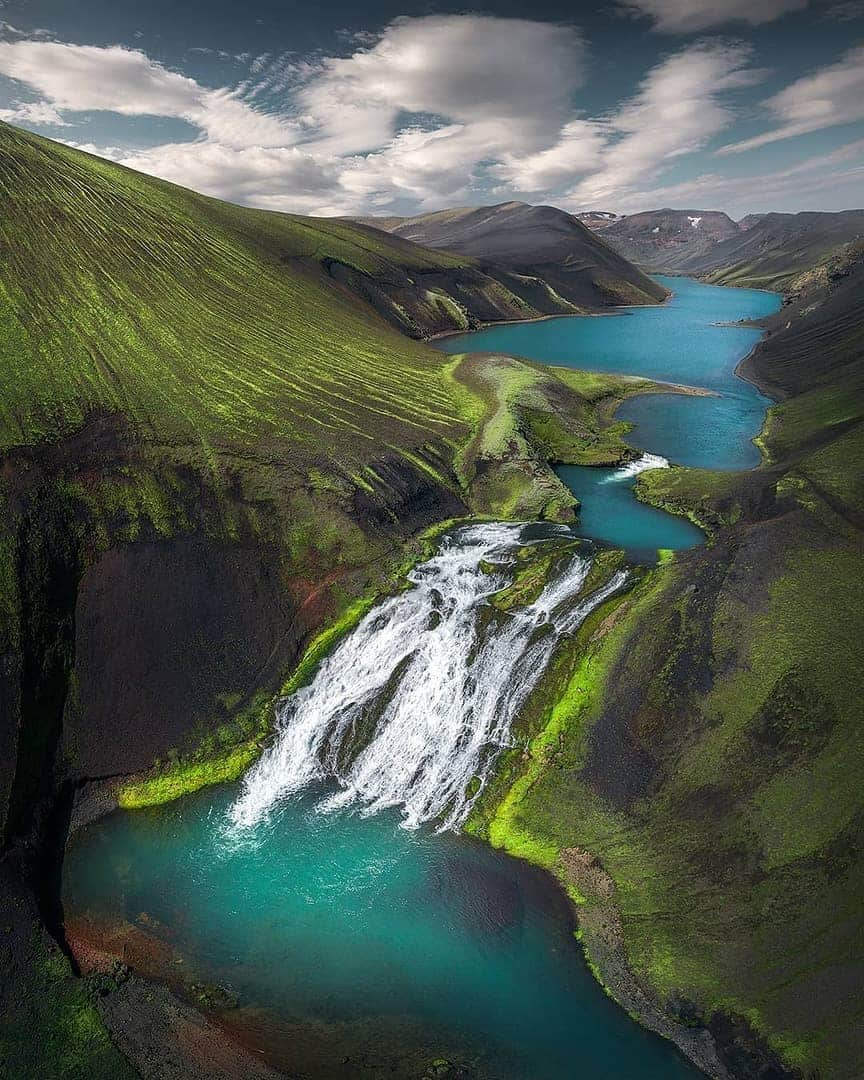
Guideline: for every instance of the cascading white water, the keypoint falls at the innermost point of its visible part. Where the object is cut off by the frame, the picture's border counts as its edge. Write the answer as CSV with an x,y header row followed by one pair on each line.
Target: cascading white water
x,y
427,684
633,468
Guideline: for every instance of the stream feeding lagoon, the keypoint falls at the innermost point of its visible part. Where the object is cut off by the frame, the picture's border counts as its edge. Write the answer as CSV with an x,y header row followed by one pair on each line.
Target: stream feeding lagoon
x,y
358,932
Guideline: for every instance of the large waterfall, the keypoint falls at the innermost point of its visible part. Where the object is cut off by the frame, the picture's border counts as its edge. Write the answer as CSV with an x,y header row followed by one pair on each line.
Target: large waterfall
x,y
411,709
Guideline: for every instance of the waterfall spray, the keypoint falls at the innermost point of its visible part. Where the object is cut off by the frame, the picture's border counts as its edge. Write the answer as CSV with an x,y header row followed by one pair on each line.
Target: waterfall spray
x,y
425,688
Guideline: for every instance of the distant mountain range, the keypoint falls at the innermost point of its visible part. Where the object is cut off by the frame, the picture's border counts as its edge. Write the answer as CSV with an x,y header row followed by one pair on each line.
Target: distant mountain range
x,y
596,258
533,241
767,250
660,239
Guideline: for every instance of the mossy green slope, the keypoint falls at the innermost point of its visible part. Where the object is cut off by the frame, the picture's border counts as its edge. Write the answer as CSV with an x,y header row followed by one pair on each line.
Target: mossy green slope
x,y
193,319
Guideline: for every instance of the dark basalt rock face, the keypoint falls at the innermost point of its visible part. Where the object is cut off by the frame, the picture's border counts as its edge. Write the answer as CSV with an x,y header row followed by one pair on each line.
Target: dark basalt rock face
x,y
130,644
163,630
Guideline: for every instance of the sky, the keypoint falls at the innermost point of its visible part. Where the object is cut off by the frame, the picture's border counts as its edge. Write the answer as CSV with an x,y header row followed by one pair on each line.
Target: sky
x,y
407,106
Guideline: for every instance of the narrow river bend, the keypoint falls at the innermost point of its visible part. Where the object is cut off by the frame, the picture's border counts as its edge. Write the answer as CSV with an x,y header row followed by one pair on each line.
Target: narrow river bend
x,y
330,891
692,339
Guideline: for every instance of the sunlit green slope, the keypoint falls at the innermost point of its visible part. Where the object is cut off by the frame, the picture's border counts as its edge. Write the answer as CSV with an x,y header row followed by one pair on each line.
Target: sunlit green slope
x,y
194,318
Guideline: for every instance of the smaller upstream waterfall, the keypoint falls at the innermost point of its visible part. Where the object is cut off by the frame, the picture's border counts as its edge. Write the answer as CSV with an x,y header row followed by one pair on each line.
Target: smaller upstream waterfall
x,y
640,465
413,706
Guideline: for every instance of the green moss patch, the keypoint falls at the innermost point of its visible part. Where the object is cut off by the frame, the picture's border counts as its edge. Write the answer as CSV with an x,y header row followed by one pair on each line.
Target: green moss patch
x,y
183,778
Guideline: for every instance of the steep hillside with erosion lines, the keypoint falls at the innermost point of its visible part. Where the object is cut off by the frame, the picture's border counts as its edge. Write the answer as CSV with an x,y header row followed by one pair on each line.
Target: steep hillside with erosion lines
x,y
537,241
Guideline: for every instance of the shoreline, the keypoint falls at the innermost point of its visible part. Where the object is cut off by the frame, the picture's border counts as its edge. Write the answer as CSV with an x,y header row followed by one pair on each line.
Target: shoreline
x,y
615,310
618,311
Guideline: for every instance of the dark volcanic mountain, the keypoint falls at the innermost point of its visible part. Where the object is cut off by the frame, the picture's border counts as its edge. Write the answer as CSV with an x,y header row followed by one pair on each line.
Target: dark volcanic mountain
x,y
538,241
766,250
669,239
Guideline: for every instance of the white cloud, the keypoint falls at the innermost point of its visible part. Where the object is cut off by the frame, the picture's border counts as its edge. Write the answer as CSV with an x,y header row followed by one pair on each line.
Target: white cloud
x,y
426,166
273,178
828,176
466,69
433,111
689,16
76,78
13,31
830,96
422,110
677,111
419,111
33,112
578,150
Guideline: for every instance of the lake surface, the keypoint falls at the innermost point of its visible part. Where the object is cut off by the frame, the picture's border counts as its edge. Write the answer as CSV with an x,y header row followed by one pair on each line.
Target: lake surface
x,y
682,341
349,937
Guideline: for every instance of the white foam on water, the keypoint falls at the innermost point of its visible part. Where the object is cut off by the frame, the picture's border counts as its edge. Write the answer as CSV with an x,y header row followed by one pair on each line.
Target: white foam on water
x,y
434,677
633,468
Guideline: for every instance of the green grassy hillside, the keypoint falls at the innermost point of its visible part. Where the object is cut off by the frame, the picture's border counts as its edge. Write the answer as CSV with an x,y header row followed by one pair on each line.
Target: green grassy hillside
x,y
694,775
192,318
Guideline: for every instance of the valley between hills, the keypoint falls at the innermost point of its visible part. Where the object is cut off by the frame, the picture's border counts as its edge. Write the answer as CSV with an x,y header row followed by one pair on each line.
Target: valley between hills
x,y
224,439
